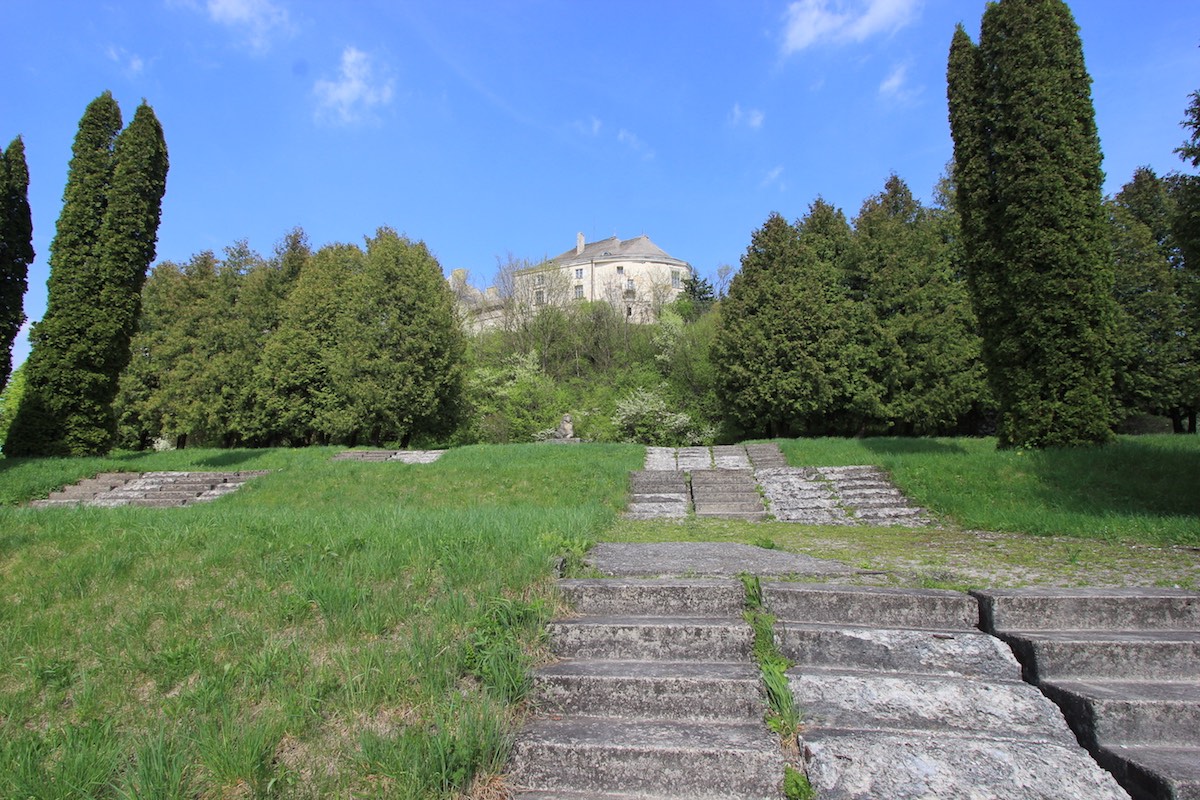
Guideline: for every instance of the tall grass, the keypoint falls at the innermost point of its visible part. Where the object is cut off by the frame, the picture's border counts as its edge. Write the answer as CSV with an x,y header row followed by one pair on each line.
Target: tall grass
x,y
331,629
1140,488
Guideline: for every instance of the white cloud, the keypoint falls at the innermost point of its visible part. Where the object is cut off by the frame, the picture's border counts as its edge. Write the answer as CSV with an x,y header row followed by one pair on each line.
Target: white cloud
x,y
773,178
630,140
355,92
750,117
257,20
589,127
131,63
895,86
808,22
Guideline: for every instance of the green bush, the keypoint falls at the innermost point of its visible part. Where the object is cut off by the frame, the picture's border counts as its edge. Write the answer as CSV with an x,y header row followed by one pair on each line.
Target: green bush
x,y
643,417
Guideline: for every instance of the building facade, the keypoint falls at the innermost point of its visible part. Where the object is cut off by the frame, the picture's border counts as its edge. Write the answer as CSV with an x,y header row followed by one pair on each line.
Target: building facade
x,y
635,276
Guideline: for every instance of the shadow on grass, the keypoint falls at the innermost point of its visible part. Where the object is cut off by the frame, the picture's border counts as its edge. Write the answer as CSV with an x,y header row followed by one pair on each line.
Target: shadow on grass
x,y
229,458
894,446
1125,478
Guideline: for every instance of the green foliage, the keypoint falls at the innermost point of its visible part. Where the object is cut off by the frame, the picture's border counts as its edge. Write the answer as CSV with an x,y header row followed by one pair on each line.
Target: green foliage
x,y
102,247
927,350
796,785
1157,366
499,652
789,354
644,417
10,400
16,248
1028,170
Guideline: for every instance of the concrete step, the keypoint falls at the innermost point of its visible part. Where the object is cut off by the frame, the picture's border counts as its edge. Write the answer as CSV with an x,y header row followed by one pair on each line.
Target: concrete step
x,y
696,691
718,508
963,653
1089,609
744,516
1131,712
887,608
1152,655
662,758
851,699
662,597
652,638
1154,772
856,765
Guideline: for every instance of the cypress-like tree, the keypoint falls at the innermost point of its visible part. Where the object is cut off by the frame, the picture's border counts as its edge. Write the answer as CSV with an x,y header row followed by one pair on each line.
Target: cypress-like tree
x,y
64,384
16,248
102,247
1029,189
786,351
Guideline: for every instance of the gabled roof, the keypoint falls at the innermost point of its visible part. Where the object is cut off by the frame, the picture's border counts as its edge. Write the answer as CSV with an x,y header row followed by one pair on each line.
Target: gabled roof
x,y
639,248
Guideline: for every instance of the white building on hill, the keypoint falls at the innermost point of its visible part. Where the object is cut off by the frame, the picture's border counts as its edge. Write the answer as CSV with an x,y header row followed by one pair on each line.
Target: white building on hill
x,y
635,276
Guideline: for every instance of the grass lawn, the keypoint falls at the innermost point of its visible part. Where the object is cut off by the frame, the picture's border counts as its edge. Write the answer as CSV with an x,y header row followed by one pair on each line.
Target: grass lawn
x,y
365,630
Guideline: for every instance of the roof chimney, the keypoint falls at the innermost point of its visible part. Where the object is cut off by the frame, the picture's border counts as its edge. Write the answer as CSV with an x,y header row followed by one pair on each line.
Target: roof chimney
x,y
579,243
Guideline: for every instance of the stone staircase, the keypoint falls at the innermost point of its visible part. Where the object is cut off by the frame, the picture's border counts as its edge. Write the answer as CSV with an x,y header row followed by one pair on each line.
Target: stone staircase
x,y
403,456
1124,666
904,697
148,489
656,696
733,481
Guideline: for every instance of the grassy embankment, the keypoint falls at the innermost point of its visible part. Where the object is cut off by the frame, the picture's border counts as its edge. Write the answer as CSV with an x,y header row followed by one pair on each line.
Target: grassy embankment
x,y
346,629
330,630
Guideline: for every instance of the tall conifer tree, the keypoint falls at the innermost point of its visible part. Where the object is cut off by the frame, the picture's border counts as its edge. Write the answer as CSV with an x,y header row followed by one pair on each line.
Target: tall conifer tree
x,y
101,249
1029,183
16,248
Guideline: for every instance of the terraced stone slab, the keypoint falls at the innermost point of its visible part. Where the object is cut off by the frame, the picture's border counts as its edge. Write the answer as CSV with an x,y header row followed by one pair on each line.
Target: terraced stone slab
x,y
149,489
652,638
675,759
649,690
1124,655
917,609
1158,712
851,699
691,459
975,655
661,459
1090,609
656,597
707,558
1151,771
857,765
403,456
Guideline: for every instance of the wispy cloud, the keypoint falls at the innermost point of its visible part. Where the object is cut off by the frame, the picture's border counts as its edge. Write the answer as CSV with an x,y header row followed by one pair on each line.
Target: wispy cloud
x,y
257,21
773,178
589,127
131,63
631,140
895,86
750,117
807,22
355,92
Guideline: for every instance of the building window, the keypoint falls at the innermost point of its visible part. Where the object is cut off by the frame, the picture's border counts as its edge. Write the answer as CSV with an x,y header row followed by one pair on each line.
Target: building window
x,y
539,280
629,287
539,298
578,292
579,274
620,270
676,281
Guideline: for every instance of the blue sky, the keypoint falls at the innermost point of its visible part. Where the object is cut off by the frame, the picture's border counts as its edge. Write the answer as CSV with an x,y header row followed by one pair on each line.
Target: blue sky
x,y
504,127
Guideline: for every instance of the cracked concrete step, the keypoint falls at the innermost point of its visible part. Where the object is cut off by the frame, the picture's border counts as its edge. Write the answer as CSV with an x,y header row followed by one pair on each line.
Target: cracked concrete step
x,y
652,638
722,507
883,607
898,650
1131,655
651,690
1154,772
1166,712
856,765
662,758
655,597
957,706
1089,609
